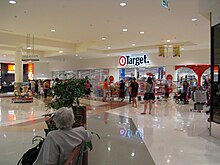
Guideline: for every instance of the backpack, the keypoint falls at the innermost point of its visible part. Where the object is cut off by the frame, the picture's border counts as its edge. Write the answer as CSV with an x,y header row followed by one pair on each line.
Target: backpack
x,y
29,157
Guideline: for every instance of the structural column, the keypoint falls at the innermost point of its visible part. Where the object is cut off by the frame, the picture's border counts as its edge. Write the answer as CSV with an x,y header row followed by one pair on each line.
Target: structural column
x,y
18,67
170,69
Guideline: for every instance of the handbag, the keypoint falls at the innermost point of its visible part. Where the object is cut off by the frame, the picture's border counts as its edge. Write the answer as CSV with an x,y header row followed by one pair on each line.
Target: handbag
x,y
146,96
29,157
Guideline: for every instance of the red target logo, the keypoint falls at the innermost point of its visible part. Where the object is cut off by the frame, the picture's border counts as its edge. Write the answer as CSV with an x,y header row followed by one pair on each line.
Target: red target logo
x,y
122,60
122,131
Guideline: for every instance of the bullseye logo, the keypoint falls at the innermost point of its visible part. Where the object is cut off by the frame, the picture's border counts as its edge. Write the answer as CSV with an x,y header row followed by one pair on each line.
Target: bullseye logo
x,y
122,61
137,60
122,131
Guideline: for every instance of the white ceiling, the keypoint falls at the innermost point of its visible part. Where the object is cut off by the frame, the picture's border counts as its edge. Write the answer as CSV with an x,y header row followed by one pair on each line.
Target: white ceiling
x,y
80,25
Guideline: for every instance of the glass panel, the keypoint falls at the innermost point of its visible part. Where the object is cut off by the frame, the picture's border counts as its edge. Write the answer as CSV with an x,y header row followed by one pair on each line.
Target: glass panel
x,y
215,73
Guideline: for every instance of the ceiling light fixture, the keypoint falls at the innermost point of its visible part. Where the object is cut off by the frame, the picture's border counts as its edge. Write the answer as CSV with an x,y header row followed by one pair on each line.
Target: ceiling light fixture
x,y
133,44
194,19
109,47
76,55
125,30
60,51
168,40
12,2
52,30
108,54
103,38
80,58
141,32
4,55
122,4
182,48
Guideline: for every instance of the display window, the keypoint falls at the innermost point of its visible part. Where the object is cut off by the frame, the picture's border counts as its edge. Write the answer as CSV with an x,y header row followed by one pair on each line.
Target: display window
x,y
191,73
206,77
97,77
186,74
142,73
64,74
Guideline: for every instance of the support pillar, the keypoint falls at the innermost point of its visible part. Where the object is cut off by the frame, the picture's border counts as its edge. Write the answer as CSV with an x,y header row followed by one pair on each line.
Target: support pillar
x,y
18,68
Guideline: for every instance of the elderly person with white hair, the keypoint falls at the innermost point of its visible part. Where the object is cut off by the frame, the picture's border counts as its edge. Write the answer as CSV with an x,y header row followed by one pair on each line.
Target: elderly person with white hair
x,y
59,144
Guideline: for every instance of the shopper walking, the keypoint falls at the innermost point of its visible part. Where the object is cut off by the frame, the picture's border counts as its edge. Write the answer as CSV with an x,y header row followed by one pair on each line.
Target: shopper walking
x,y
129,90
105,90
87,88
122,90
149,95
134,92
46,88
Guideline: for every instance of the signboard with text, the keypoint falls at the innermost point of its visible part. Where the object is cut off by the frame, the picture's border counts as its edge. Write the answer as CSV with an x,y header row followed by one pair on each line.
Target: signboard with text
x,y
136,61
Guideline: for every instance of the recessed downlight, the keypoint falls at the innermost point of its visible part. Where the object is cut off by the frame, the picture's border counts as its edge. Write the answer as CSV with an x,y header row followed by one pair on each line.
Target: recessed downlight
x,y
29,48
52,30
12,2
122,4
4,55
194,19
76,55
109,47
182,48
124,30
103,38
108,54
168,40
141,32
133,44
60,51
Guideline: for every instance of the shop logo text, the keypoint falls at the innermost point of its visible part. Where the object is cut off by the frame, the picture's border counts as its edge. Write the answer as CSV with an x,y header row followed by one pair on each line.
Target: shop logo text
x,y
137,60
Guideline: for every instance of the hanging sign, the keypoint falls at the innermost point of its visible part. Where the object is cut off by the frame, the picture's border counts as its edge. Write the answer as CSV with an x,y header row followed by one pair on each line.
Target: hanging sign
x,y
176,51
165,3
162,51
30,58
137,60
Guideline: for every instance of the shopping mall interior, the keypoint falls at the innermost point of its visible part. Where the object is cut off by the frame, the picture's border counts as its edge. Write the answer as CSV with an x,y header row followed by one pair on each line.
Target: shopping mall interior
x,y
172,41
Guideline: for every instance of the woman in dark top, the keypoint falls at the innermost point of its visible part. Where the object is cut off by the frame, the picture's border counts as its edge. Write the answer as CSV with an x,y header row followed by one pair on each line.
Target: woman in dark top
x,y
149,95
134,92
122,90
185,92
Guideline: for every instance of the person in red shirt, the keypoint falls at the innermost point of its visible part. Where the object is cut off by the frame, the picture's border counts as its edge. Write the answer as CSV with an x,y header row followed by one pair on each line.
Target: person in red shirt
x,y
105,90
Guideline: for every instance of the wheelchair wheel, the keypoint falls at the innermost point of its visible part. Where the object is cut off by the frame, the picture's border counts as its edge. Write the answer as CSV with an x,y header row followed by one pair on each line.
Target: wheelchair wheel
x,y
177,101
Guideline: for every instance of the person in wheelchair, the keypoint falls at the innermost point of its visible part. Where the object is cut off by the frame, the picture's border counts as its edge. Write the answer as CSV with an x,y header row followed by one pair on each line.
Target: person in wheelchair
x,y
59,144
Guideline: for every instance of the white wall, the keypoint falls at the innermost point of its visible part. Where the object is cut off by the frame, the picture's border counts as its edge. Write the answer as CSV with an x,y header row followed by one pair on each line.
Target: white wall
x,y
97,63
41,70
186,58
207,6
63,66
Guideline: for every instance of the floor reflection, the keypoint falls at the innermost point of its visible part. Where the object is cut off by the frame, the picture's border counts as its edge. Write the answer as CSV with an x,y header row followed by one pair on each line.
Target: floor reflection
x,y
120,141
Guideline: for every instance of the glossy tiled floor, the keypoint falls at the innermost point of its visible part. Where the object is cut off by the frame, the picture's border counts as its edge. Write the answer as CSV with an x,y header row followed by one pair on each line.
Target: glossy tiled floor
x,y
172,134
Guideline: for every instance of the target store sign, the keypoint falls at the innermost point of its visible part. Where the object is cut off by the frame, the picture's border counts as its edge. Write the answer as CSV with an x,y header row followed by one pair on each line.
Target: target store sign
x,y
137,60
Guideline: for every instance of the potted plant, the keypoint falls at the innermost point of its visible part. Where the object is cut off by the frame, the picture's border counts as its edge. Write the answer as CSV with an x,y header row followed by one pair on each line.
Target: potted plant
x,y
67,94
